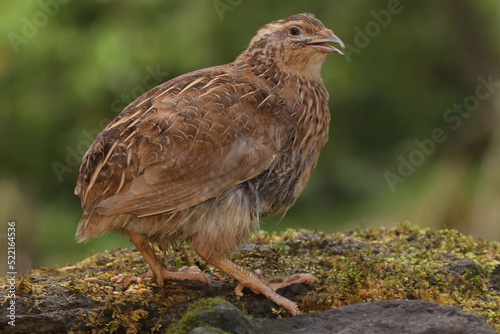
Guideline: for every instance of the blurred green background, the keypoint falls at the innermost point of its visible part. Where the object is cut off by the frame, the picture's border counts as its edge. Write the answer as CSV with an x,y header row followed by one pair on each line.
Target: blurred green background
x,y
415,107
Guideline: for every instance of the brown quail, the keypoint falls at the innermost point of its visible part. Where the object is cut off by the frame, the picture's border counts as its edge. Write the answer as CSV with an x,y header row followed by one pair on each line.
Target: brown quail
x,y
201,157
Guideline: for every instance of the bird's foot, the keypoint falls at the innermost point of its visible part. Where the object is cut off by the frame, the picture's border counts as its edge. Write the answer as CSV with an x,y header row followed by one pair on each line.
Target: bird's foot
x,y
184,273
277,282
257,283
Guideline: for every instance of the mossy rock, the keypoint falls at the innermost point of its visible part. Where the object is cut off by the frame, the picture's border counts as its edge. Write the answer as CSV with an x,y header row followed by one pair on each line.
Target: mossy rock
x,y
216,316
403,262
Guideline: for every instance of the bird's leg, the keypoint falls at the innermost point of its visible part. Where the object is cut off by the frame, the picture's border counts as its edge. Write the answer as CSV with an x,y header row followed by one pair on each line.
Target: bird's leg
x,y
258,284
141,242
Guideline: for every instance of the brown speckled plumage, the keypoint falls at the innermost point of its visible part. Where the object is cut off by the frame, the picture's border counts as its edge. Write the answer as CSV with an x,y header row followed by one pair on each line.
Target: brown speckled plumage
x,y
203,156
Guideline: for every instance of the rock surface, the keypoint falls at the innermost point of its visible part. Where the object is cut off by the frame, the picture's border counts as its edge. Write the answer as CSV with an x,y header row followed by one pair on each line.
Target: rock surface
x,y
383,317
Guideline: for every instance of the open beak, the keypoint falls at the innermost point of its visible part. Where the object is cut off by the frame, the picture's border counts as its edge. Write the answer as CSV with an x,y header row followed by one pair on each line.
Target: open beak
x,y
326,36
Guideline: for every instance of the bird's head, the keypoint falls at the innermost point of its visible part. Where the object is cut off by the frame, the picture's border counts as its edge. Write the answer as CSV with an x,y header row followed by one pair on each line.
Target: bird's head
x,y
297,45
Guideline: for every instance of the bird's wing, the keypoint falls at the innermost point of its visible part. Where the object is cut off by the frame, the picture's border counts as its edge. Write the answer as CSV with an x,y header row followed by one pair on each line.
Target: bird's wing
x,y
180,144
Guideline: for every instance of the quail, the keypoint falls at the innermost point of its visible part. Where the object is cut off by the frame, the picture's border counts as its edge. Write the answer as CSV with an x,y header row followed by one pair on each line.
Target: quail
x,y
201,157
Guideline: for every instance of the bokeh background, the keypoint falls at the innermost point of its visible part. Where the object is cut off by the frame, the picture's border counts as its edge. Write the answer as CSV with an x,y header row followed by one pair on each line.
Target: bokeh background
x,y
415,108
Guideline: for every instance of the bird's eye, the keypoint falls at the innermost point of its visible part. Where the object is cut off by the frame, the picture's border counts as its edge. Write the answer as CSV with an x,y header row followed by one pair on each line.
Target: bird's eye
x,y
294,31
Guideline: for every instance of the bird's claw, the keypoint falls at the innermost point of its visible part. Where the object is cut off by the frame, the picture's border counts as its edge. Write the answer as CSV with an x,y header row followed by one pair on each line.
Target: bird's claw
x,y
184,273
193,269
277,282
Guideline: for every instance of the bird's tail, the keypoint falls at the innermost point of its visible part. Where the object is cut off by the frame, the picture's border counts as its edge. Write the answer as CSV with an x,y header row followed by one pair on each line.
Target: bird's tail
x,y
91,225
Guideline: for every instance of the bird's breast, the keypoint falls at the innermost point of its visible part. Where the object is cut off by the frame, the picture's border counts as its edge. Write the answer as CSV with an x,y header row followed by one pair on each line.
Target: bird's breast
x,y
279,186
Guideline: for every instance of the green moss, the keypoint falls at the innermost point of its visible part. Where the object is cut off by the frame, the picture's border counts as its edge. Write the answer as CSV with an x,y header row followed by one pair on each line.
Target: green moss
x,y
192,317
403,262
215,315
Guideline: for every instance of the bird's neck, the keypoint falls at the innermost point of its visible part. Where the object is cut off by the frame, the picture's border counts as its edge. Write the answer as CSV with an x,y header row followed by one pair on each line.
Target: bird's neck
x,y
277,77
268,63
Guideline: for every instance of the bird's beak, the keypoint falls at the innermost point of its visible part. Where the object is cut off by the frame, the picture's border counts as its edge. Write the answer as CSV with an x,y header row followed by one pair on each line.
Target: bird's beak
x,y
326,36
